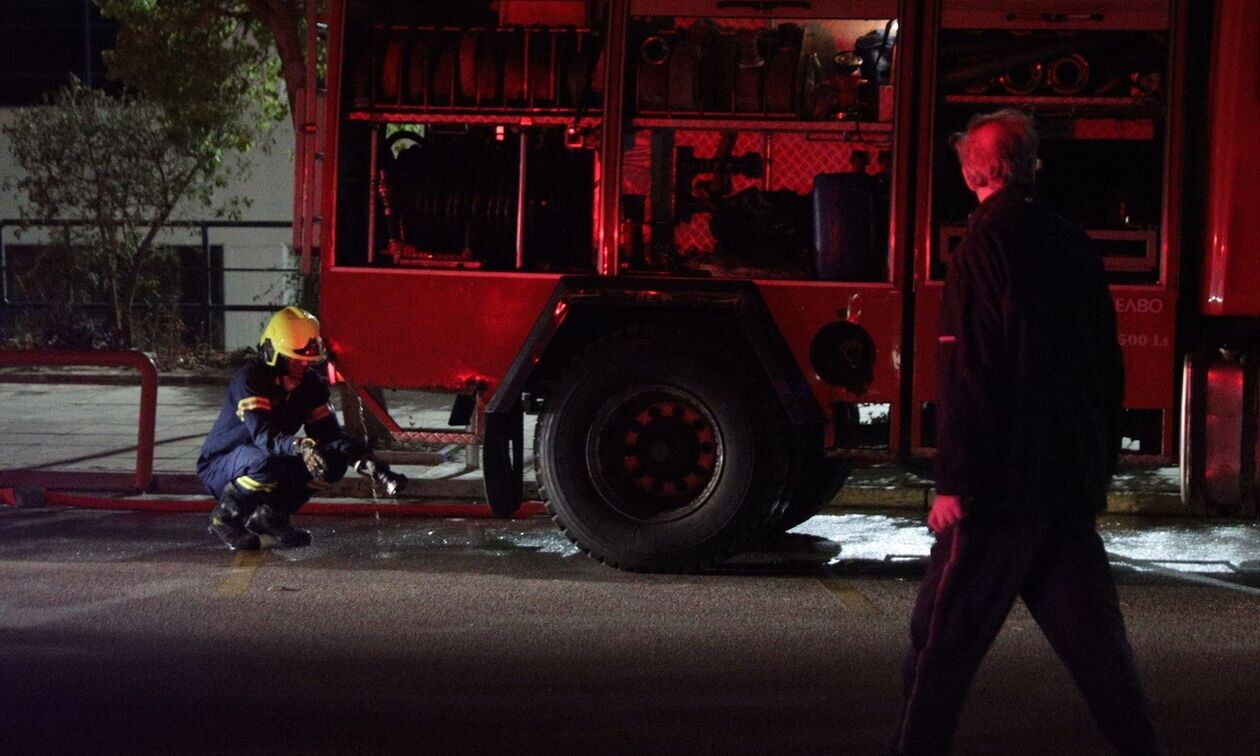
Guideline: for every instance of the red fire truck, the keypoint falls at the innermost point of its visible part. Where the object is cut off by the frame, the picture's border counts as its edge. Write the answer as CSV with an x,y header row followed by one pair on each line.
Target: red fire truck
x,y
703,241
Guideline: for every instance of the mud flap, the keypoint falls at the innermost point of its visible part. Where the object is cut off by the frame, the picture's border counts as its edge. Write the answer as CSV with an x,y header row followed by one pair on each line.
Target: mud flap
x,y
834,474
820,480
503,460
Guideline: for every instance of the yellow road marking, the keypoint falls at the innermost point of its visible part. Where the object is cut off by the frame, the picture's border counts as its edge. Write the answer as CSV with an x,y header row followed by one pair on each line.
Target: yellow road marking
x,y
851,598
243,569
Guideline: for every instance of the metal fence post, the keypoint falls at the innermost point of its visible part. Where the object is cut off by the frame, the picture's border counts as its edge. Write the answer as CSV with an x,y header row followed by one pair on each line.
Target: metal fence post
x,y
4,268
5,313
206,304
207,332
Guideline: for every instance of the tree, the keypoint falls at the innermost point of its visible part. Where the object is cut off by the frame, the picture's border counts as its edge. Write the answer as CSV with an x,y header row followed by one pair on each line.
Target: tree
x,y
115,170
255,30
203,84
253,44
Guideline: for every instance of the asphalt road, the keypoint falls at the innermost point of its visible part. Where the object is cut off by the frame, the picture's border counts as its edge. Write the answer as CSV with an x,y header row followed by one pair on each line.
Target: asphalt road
x,y
125,632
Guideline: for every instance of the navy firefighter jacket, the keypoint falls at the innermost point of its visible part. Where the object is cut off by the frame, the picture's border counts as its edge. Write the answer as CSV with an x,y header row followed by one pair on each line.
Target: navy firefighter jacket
x,y
1029,373
257,410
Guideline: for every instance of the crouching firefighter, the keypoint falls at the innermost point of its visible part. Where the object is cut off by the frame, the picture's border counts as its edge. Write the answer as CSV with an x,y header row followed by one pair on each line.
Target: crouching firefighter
x,y
254,462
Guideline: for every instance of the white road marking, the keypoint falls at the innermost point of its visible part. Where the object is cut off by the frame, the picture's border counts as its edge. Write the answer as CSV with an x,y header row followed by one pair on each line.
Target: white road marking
x,y
1187,577
23,617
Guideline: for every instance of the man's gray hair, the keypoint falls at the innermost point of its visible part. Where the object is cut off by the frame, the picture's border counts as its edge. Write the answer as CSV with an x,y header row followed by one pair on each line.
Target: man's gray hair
x,y
1009,158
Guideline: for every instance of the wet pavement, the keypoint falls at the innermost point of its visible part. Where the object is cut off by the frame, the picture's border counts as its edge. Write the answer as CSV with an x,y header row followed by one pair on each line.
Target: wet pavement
x,y
132,632
127,631
866,541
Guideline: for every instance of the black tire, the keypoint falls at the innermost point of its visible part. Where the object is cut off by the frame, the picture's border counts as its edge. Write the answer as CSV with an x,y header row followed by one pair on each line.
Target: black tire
x,y
659,453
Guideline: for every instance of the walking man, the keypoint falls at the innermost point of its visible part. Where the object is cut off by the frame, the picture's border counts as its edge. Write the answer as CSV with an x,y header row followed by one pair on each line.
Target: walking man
x,y
1030,381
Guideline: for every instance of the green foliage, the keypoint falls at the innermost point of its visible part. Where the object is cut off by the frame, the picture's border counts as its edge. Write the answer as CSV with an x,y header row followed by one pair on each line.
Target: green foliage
x,y
216,57
115,170
203,82
211,66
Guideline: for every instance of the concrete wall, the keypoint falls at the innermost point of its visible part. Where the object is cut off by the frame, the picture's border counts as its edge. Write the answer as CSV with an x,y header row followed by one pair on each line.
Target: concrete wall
x,y
269,188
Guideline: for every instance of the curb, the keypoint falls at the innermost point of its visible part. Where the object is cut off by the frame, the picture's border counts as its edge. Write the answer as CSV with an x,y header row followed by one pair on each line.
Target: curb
x,y
1138,503
1167,504
906,495
909,497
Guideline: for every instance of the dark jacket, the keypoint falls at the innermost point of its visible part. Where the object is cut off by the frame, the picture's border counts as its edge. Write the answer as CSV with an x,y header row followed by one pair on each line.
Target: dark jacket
x,y
257,410
1029,374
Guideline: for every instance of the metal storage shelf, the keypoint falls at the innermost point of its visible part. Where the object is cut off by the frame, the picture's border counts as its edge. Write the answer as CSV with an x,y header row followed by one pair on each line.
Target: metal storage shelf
x,y
481,117
726,123
1053,101
517,118
772,9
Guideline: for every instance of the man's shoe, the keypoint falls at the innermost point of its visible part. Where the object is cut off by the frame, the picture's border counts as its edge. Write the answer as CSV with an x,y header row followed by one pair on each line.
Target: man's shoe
x,y
227,526
265,522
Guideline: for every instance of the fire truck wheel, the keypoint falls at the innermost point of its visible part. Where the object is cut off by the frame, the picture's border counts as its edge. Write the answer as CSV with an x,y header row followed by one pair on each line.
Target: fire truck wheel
x,y
658,453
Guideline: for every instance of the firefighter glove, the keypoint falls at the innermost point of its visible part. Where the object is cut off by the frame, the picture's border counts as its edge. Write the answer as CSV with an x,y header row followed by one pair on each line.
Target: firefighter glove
x,y
314,460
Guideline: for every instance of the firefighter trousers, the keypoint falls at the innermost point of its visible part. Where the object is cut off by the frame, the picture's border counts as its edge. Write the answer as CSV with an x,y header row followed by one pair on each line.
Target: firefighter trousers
x,y
261,478
1059,567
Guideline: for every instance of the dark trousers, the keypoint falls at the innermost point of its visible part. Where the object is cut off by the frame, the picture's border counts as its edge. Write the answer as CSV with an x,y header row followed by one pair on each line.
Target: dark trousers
x,y
261,478
1060,569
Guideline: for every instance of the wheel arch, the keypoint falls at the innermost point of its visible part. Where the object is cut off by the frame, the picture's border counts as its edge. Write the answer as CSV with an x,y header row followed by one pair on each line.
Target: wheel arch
x,y
584,308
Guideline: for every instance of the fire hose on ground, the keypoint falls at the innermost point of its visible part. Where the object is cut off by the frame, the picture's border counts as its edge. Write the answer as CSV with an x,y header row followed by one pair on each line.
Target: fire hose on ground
x,y
22,498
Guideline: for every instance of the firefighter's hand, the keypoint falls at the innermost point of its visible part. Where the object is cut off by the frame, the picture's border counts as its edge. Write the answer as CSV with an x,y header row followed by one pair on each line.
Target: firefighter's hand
x,y
946,512
381,475
315,463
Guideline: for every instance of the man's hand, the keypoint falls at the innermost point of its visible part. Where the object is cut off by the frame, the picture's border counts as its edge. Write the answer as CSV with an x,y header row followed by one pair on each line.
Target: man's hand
x,y
315,463
946,512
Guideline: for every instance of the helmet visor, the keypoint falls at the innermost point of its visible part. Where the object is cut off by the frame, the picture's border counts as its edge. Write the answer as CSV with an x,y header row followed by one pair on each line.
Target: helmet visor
x,y
313,350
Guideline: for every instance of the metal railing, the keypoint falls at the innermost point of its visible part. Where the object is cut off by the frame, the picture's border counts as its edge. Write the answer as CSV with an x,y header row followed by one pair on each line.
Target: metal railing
x,y
148,396
206,304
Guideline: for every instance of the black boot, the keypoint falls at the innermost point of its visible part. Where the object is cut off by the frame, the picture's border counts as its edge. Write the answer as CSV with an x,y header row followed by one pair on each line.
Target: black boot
x,y
228,522
268,522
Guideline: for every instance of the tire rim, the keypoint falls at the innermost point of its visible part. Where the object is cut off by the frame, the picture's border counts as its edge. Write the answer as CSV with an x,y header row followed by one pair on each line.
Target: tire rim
x,y
655,453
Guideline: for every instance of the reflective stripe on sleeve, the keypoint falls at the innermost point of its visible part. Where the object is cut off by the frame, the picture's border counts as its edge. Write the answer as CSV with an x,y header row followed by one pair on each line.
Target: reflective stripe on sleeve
x,y
259,403
319,413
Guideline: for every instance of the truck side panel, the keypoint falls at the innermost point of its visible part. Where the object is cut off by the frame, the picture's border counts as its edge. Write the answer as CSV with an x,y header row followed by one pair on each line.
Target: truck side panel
x,y
1231,274
802,308
443,327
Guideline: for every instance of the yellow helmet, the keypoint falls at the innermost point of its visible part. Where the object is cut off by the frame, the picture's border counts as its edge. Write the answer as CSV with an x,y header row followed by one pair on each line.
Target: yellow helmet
x,y
293,333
